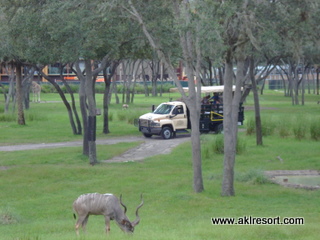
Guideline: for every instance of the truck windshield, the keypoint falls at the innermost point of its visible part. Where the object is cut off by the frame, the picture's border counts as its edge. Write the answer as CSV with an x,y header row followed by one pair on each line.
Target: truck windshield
x,y
163,109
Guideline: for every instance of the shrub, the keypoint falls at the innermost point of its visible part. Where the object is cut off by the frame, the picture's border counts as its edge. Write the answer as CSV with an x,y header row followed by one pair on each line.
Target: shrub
x,y
315,129
5,117
165,87
251,126
214,144
268,126
299,128
110,116
99,87
253,176
4,89
7,216
119,88
47,88
241,146
218,144
74,88
132,115
122,115
284,128
34,116
139,88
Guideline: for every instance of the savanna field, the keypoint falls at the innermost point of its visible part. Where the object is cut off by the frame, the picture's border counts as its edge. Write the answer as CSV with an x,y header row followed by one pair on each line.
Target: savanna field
x,y
38,187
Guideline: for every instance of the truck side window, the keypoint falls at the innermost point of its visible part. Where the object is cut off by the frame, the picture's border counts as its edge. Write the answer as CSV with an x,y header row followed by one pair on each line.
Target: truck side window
x,y
178,110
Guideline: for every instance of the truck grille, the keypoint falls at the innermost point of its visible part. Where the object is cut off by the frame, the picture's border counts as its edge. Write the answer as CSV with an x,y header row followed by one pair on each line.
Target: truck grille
x,y
144,123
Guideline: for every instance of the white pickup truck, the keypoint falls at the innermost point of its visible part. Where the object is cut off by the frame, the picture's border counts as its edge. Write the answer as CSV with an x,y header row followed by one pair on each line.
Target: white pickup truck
x,y
167,119
170,118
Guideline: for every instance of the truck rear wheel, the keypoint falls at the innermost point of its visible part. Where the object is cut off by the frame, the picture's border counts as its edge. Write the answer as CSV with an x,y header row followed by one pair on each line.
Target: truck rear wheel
x,y
166,133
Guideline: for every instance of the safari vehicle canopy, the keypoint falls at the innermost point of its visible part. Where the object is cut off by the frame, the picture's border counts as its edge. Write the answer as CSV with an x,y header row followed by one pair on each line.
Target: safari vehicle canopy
x,y
205,89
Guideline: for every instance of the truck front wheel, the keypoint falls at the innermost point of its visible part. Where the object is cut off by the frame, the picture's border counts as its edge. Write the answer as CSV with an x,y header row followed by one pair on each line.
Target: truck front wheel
x,y
147,135
166,133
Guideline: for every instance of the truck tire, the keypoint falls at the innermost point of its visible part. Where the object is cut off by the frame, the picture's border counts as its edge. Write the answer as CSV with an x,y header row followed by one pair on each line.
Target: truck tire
x,y
219,128
166,133
147,135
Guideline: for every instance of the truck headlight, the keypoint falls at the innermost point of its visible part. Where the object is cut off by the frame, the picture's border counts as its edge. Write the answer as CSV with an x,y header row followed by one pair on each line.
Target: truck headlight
x,y
155,124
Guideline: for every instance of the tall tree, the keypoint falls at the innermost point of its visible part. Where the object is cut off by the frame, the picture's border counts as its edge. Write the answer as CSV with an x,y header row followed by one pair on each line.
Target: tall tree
x,y
188,45
19,94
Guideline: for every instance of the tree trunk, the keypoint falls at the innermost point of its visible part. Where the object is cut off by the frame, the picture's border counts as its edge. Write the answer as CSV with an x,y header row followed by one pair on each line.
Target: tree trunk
x,y
89,89
303,85
19,94
11,91
256,104
75,130
107,90
318,81
83,109
229,141
196,151
231,103
192,101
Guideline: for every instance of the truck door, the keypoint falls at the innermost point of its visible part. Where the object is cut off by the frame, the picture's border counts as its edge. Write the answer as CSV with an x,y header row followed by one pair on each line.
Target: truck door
x,y
179,118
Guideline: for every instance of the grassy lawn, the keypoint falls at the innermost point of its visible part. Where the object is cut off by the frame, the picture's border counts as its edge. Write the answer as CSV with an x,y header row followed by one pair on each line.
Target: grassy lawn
x,y
38,187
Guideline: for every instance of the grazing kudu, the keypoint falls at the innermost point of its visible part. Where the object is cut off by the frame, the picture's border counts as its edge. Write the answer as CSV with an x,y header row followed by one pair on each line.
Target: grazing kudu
x,y
107,205
36,90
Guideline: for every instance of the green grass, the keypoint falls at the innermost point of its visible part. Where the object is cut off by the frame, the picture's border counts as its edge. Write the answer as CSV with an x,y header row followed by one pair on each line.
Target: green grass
x,y
38,188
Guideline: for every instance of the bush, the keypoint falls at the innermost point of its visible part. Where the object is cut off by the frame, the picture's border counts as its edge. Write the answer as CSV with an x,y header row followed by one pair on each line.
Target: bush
x,y
214,144
48,88
251,126
299,128
132,115
284,128
110,116
122,115
139,88
165,87
218,144
5,117
34,116
74,88
315,129
241,146
4,89
268,126
253,176
7,216
99,87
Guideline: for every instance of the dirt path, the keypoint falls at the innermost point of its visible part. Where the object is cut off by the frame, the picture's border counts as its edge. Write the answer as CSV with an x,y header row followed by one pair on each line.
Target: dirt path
x,y
149,146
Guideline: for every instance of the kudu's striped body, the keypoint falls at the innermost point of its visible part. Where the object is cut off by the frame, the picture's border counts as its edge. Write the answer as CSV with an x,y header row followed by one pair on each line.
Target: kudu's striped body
x,y
107,205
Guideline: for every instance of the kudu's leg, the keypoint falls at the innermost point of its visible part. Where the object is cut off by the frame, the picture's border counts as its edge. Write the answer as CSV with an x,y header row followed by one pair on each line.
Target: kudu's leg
x,y
107,220
84,223
80,222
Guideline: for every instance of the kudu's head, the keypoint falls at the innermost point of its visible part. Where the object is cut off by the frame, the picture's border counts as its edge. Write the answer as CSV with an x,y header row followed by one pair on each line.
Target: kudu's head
x,y
125,224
